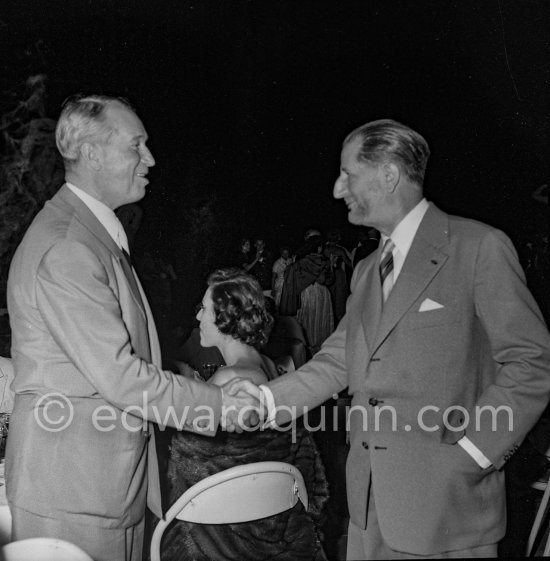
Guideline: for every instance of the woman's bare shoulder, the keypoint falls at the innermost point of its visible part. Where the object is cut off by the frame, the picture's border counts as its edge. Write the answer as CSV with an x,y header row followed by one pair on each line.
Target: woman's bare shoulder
x,y
226,373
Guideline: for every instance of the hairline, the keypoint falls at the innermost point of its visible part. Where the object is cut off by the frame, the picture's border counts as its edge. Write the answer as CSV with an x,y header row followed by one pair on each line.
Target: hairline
x,y
72,111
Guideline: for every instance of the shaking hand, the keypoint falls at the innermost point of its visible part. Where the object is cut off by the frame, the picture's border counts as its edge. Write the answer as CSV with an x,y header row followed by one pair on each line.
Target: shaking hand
x,y
243,406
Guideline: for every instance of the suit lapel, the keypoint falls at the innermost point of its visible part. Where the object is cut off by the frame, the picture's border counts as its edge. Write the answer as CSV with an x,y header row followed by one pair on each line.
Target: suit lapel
x,y
425,258
132,281
372,298
67,199
154,344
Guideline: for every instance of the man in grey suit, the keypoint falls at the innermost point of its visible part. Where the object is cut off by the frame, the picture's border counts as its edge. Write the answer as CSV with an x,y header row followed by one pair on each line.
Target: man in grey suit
x,y
445,354
81,461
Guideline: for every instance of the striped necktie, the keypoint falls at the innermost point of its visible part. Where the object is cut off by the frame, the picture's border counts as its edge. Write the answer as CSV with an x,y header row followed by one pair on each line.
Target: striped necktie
x,y
386,269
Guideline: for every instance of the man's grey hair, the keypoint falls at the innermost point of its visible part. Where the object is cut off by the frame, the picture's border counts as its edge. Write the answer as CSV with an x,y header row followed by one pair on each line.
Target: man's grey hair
x,y
388,140
83,119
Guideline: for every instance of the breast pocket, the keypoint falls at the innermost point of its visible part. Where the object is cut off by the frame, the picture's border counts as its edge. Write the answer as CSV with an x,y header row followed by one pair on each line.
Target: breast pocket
x,y
433,318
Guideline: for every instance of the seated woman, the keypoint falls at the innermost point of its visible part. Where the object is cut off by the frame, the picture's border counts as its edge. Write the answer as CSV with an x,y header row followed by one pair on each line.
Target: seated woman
x,y
233,318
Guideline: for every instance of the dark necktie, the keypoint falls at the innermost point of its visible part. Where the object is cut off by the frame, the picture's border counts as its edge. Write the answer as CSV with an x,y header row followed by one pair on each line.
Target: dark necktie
x,y
386,269
127,257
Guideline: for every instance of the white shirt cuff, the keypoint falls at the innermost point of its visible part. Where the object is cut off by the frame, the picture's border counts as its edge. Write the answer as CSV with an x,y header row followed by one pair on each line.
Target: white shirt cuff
x,y
269,401
475,452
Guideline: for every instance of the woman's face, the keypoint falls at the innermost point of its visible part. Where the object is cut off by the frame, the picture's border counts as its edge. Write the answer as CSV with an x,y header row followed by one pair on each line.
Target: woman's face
x,y
209,332
245,247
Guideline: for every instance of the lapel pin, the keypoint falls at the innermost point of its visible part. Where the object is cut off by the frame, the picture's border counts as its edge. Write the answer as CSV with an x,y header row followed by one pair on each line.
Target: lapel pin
x,y
434,261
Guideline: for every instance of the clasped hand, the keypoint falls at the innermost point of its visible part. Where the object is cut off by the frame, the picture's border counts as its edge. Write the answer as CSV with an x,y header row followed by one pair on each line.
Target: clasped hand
x,y
243,405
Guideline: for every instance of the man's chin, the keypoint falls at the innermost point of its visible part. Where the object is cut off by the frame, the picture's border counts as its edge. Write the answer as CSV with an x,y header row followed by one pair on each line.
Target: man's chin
x,y
356,218
138,192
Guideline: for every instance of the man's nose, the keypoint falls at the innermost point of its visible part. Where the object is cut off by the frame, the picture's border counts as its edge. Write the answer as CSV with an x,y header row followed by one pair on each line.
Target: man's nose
x,y
340,187
147,157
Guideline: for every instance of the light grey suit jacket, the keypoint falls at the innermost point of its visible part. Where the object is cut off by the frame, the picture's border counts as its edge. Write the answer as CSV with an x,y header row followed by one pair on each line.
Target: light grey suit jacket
x,y
418,377
82,329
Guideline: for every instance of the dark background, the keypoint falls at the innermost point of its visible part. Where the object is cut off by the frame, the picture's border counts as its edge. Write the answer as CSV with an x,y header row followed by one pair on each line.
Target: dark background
x,y
246,103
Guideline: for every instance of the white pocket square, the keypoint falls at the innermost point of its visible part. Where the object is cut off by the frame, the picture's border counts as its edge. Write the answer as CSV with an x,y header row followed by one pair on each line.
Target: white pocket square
x,y
429,304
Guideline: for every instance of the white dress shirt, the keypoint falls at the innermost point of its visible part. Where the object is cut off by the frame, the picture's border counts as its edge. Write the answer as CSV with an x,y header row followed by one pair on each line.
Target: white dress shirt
x,y
105,215
404,234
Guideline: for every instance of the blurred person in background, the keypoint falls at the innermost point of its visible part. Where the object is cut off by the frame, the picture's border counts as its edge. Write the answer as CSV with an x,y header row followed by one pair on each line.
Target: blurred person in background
x,y
279,268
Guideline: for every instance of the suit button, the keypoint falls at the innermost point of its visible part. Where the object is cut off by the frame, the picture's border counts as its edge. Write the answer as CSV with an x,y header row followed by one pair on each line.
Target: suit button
x,y
365,445
373,401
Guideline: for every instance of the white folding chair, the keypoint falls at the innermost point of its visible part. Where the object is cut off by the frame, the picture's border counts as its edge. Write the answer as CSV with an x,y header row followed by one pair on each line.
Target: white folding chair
x,y
5,514
537,524
5,524
6,378
237,494
43,549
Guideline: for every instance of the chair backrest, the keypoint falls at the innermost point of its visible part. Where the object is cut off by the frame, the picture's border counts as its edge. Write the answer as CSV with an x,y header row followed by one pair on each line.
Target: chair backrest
x,y
290,327
6,378
539,530
238,494
43,549
284,364
287,338
5,518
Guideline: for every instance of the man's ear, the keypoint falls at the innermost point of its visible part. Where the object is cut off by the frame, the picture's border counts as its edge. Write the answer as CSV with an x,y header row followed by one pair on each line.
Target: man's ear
x,y
392,175
90,154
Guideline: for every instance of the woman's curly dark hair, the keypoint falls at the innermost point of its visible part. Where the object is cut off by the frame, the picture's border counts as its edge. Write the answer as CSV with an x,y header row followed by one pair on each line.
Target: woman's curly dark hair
x,y
239,306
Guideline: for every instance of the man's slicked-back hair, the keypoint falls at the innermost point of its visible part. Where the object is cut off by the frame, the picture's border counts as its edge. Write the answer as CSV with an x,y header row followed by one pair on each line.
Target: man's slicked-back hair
x,y
388,140
82,119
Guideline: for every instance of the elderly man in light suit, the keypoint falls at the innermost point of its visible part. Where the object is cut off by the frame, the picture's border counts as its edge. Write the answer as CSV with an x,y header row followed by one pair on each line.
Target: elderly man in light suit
x,y
81,460
439,326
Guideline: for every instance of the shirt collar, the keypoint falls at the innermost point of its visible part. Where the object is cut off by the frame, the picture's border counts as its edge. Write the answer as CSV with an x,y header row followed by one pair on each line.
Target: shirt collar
x,y
104,214
404,232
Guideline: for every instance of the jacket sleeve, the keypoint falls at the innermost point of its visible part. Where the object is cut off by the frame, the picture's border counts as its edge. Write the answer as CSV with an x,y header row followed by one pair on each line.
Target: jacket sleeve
x,y
520,345
82,312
